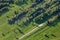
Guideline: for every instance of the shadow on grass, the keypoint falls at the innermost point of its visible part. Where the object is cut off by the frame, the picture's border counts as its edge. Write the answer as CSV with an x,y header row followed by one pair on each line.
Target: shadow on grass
x,y
54,23
19,17
46,16
4,11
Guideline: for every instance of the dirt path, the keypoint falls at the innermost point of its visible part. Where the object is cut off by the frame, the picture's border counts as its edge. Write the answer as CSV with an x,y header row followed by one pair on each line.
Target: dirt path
x,y
41,26
33,31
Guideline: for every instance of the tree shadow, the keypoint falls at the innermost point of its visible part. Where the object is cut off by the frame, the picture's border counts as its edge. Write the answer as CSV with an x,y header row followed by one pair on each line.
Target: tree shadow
x,y
21,2
55,22
19,17
4,11
46,16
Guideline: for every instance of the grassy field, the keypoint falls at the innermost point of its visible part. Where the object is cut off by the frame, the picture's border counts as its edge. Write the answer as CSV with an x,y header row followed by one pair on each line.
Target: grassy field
x,y
10,32
36,13
52,32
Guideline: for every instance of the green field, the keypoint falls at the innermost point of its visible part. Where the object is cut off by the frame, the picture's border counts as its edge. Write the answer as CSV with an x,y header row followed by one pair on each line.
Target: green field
x,y
19,17
52,31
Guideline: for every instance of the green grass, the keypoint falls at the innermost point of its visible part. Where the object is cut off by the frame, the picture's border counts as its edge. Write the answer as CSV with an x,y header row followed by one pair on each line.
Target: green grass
x,y
48,30
8,30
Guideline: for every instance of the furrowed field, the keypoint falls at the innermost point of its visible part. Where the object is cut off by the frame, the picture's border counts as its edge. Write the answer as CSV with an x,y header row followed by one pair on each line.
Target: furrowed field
x,y
30,20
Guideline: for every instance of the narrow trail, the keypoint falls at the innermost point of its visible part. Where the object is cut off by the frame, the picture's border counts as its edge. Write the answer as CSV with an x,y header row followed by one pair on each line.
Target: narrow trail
x,y
33,30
